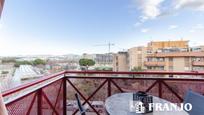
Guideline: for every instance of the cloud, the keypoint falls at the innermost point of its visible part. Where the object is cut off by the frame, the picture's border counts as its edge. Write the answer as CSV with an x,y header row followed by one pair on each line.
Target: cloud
x,y
171,27
190,4
145,30
150,8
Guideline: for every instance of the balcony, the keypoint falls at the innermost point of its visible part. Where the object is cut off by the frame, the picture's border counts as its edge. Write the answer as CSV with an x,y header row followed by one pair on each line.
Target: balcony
x,y
154,63
198,63
55,94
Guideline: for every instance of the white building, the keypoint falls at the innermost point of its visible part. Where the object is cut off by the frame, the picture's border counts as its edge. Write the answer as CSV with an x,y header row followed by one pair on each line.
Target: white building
x,y
27,72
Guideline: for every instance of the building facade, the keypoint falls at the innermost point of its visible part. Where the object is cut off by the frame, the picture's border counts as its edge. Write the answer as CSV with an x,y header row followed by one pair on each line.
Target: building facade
x,y
100,59
136,57
175,61
157,46
174,56
162,56
120,61
104,59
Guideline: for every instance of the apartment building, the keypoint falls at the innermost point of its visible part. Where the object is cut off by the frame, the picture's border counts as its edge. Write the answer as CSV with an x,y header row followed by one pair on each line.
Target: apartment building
x,y
100,59
1,6
162,56
120,61
136,57
174,56
156,46
175,61
104,59
197,48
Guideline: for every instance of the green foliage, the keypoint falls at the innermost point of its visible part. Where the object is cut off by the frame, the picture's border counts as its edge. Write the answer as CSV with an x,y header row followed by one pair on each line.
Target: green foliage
x,y
4,72
8,60
39,62
103,68
35,62
86,62
18,63
137,69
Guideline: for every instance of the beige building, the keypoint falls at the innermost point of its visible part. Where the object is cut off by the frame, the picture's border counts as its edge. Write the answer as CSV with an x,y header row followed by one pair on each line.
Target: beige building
x,y
157,45
100,59
161,56
197,48
176,61
1,6
174,56
120,61
136,57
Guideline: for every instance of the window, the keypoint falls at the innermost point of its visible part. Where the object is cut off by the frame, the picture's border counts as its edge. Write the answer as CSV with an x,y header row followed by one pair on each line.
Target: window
x,y
171,59
171,68
186,61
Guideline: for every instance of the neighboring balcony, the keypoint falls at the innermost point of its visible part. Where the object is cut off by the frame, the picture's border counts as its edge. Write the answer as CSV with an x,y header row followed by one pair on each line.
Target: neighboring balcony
x,y
54,94
154,63
198,63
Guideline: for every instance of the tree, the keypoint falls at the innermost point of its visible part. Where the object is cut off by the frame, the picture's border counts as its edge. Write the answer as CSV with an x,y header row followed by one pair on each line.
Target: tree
x,y
35,62
86,62
137,69
4,72
18,63
104,68
39,62
8,60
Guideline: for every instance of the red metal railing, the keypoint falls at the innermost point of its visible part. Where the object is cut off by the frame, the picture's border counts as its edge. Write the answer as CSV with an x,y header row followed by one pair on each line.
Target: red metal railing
x,y
50,94
44,96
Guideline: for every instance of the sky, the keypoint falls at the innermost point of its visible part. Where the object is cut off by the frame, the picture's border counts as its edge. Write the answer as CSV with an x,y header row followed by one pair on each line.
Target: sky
x,y
57,27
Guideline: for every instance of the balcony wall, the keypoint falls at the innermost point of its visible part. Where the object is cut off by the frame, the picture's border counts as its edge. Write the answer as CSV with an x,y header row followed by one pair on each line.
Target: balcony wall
x,y
154,63
198,63
53,94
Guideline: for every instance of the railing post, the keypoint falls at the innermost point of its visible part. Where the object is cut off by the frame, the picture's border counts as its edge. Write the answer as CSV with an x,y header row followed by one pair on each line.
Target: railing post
x,y
109,87
39,105
64,96
160,88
